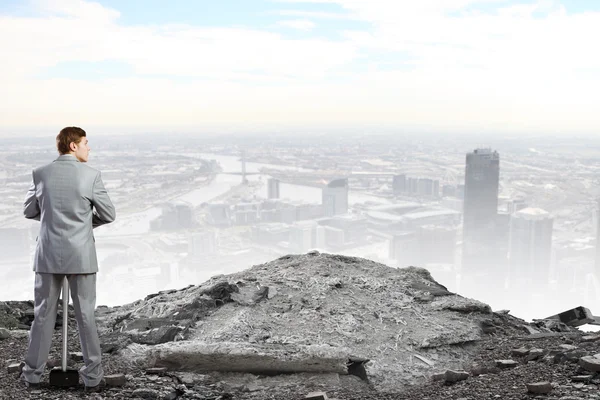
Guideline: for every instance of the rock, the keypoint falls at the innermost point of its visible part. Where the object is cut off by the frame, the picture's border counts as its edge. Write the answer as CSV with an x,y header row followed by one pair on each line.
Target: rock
x,y
163,334
520,352
15,367
316,396
582,378
251,387
476,369
4,334
170,395
539,387
590,338
452,376
109,347
534,354
76,356
506,363
190,379
590,363
146,393
568,347
438,377
249,296
156,371
115,380
575,355
267,359
53,362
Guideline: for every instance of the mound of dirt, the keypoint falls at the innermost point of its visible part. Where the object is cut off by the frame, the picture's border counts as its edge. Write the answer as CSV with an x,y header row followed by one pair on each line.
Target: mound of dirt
x,y
309,313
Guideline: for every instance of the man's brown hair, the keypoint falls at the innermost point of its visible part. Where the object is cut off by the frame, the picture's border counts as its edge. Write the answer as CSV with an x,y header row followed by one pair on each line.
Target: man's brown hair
x,y
66,136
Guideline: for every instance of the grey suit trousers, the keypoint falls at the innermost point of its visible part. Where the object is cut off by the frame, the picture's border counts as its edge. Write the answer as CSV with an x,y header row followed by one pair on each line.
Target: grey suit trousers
x,y
47,292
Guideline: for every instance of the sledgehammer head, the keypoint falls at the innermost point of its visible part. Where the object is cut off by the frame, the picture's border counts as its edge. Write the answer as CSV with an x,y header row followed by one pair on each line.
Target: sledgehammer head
x,y
60,378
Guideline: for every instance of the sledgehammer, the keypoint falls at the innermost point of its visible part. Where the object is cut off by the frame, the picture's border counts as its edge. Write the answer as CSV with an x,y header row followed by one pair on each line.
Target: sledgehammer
x,y
64,376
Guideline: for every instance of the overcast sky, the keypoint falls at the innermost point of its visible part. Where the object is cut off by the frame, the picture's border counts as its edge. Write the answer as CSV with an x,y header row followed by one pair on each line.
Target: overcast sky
x,y
472,65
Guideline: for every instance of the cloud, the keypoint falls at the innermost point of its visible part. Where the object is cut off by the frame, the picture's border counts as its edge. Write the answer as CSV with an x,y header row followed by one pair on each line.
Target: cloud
x,y
299,24
461,64
89,10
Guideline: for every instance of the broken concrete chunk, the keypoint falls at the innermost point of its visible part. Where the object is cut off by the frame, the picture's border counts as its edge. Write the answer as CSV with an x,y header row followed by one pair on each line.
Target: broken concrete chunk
x,y
568,347
574,317
539,387
455,376
146,393
156,371
16,367
575,355
438,377
590,338
476,369
520,352
316,396
534,354
76,356
582,378
116,380
590,363
506,363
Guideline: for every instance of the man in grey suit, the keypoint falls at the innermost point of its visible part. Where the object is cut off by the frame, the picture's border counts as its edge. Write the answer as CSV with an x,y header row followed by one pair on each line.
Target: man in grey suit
x,y
69,199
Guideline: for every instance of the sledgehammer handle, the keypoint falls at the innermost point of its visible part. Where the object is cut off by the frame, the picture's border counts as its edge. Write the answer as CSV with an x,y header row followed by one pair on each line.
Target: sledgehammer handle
x,y
65,299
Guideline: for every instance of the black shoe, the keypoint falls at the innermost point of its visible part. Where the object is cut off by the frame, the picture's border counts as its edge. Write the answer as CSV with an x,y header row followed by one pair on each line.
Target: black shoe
x,y
97,388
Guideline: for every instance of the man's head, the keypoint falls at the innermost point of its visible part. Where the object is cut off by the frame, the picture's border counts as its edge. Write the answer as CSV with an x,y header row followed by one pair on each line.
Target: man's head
x,y
72,140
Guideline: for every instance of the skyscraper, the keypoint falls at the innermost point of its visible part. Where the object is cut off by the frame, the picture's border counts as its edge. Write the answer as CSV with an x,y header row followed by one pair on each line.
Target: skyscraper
x,y
530,249
399,184
480,208
335,198
273,188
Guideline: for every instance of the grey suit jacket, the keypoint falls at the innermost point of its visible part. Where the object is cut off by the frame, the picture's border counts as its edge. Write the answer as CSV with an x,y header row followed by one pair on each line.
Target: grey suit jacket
x,y
69,199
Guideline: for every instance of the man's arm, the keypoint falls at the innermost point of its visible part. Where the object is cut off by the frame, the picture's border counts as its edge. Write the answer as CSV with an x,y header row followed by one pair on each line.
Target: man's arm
x,y
104,212
31,208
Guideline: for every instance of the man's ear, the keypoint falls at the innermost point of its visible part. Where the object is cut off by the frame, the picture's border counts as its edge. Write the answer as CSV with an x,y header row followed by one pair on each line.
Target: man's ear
x,y
72,146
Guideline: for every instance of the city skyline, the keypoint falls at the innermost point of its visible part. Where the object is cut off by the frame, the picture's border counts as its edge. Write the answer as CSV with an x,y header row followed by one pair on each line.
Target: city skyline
x,y
188,212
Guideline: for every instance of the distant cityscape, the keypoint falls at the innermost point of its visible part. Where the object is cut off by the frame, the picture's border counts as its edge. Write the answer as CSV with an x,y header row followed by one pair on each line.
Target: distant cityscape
x,y
514,227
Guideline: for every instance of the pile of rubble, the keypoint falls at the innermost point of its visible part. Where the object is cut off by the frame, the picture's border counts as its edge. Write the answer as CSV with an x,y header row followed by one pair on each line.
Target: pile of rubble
x,y
346,326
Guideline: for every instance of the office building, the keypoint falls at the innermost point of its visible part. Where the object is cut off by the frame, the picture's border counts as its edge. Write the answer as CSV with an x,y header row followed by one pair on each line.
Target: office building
x,y
428,187
273,188
335,198
404,248
480,209
303,236
399,184
202,243
530,249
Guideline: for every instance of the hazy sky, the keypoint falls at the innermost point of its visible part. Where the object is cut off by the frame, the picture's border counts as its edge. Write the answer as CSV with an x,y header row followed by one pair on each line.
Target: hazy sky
x,y
473,65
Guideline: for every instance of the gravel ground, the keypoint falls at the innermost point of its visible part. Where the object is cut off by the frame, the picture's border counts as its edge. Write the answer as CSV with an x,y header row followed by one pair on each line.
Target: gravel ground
x,y
485,380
